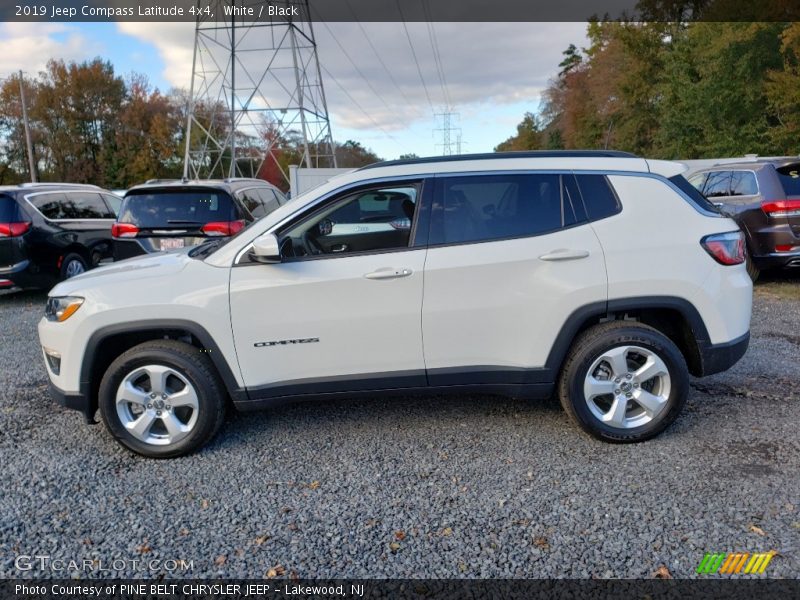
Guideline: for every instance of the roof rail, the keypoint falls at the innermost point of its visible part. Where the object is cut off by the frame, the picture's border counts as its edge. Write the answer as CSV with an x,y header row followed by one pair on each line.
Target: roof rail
x,y
150,181
57,184
501,155
233,179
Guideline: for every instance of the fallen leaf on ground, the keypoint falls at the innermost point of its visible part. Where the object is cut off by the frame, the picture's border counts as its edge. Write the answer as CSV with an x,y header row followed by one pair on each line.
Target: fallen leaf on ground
x,y
204,504
394,546
447,531
541,542
275,571
314,485
400,534
261,539
144,548
183,531
758,530
662,572
220,560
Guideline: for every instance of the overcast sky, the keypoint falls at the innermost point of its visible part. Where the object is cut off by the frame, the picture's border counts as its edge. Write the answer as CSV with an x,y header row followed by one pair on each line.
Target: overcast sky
x,y
494,72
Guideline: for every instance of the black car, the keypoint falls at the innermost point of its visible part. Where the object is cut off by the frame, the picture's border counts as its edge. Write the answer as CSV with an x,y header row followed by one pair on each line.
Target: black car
x,y
164,215
53,231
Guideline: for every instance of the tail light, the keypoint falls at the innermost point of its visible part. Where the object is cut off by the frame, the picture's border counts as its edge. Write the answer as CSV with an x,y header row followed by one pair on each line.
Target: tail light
x,y
14,229
781,208
220,228
725,248
124,230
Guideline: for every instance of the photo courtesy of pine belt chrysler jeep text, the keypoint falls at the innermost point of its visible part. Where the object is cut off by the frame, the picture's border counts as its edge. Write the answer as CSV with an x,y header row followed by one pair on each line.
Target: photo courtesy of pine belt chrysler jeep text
x,y
598,276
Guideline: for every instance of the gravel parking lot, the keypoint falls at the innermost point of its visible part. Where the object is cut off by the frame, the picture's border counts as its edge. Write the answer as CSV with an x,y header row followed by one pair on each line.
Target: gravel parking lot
x,y
445,487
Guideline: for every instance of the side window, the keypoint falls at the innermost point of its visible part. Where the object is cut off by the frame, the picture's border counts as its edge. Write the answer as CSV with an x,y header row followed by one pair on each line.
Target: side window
x,y
492,207
84,205
717,184
598,196
368,220
789,176
50,205
268,200
251,202
698,181
743,183
114,202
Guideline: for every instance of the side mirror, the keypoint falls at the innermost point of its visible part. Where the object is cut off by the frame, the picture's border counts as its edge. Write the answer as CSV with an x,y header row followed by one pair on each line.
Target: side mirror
x,y
266,249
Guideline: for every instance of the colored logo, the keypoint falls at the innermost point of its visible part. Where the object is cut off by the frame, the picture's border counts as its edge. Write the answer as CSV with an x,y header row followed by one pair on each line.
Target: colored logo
x,y
735,563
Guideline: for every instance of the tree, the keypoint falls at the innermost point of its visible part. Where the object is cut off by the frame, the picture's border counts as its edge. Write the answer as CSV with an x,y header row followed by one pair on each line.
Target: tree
x,y
528,137
783,95
352,154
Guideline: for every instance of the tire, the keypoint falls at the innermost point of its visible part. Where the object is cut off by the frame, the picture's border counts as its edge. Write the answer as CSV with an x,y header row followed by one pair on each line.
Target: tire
x,y
73,264
593,352
752,269
148,379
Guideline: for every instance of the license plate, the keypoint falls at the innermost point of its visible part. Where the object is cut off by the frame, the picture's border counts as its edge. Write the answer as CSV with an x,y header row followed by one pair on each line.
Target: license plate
x,y
171,243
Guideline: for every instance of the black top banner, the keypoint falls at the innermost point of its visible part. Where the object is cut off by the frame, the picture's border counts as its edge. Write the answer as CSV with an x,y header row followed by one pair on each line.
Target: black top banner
x,y
248,11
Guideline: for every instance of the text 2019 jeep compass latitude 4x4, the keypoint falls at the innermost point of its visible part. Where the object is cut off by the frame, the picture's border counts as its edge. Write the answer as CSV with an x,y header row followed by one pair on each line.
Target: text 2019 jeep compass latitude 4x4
x,y
600,276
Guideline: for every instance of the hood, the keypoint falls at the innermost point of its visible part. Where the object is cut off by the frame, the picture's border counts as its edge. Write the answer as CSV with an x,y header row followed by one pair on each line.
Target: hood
x,y
141,268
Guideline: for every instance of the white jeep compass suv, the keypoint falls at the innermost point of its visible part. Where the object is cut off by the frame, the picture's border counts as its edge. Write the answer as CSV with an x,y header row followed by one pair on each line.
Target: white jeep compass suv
x,y
599,276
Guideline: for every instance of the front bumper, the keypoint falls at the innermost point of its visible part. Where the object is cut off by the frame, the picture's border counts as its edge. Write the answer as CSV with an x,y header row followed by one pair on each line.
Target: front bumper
x,y
716,358
79,402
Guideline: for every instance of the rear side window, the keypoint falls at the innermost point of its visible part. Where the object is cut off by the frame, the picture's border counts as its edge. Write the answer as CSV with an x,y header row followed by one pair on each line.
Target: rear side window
x,y
743,183
166,208
491,207
9,212
598,197
718,183
72,205
790,179
50,205
693,193
114,202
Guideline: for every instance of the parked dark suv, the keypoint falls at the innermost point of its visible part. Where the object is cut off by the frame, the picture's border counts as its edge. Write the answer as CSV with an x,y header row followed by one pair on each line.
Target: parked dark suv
x,y
764,199
53,231
168,214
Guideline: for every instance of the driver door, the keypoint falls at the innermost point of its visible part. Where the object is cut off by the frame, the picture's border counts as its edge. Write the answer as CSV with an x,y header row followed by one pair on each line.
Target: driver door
x,y
342,310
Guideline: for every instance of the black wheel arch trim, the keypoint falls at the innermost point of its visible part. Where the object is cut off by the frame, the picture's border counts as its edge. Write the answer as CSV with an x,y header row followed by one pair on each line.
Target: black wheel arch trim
x,y
220,362
600,309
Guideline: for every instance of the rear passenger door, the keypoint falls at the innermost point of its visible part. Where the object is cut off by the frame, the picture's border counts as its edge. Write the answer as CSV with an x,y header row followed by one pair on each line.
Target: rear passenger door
x,y
511,256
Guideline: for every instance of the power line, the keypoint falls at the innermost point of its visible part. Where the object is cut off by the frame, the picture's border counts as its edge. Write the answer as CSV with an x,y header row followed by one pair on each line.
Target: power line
x,y
361,74
437,56
361,108
409,103
414,54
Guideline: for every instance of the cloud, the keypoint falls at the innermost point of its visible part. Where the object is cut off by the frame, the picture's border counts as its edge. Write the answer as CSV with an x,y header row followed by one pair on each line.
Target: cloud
x,y
28,46
483,65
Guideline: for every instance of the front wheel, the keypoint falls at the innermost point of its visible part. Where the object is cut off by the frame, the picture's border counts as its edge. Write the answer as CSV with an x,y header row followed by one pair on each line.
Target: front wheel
x,y
162,399
623,382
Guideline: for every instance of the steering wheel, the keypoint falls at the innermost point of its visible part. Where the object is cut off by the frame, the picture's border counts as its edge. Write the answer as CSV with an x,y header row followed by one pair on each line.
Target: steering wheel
x,y
310,244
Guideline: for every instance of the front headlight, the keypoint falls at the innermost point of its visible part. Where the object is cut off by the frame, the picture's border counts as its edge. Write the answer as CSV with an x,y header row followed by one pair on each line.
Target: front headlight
x,y
61,308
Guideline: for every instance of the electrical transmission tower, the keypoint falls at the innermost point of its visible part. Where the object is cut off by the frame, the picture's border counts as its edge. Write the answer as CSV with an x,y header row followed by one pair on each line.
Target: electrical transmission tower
x,y
451,135
256,85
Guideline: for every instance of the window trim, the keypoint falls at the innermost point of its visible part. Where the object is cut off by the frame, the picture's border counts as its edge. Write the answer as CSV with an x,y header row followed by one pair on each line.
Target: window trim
x,y
421,182
41,214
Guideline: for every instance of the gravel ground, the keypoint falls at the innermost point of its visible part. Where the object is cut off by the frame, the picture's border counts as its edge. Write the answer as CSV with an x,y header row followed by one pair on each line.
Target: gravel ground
x,y
449,487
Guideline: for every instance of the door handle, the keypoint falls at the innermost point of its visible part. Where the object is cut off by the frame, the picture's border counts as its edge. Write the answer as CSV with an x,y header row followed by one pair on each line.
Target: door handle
x,y
389,273
564,254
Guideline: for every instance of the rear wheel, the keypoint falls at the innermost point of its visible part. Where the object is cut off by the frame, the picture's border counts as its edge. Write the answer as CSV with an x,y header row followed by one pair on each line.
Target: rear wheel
x,y
72,264
162,399
623,382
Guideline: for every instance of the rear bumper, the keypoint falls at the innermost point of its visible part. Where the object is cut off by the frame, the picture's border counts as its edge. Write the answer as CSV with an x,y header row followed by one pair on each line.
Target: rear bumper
x,y
777,260
716,358
79,402
127,249
20,275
